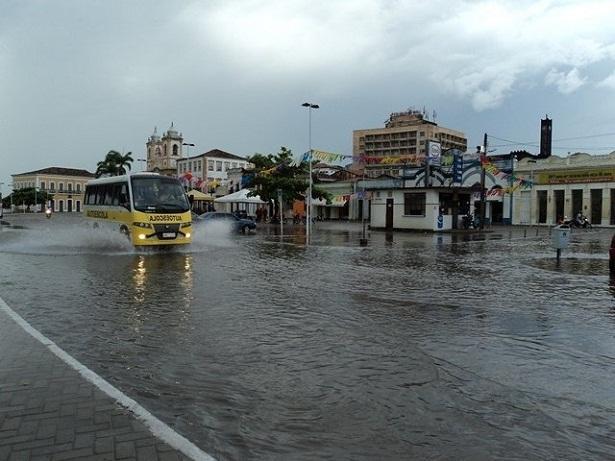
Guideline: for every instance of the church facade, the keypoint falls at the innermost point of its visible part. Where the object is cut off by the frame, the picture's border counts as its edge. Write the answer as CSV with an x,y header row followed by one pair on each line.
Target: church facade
x,y
164,152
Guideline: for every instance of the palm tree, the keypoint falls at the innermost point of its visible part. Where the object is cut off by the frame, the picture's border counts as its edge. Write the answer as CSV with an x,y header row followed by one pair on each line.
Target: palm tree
x,y
114,164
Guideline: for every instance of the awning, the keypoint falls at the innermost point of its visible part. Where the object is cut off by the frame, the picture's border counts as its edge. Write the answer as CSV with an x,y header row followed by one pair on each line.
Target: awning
x,y
200,196
319,202
241,196
334,203
337,203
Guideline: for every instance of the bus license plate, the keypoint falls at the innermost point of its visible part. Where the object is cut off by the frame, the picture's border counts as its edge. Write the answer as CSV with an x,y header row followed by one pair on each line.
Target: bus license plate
x,y
168,235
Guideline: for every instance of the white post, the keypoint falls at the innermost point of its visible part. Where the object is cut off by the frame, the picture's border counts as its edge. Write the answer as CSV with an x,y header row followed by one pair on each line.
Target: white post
x,y
281,214
308,212
308,221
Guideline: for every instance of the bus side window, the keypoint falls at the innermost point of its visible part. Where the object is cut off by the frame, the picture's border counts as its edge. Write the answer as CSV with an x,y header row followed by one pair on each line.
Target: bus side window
x,y
100,194
116,194
109,194
124,196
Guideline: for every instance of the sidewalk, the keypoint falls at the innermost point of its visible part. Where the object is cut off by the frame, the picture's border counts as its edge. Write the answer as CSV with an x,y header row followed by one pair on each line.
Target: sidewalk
x,y
48,411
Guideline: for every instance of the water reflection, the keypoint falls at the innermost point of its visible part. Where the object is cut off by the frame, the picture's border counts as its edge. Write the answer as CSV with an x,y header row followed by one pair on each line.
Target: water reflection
x,y
419,346
162,268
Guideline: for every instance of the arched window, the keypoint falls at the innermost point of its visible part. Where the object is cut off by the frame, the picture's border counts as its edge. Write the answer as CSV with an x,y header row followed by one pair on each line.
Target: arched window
x,y
165,149
175,149
158,151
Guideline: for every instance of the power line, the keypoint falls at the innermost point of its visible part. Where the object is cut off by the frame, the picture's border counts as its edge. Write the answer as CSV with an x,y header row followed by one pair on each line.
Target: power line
x,y
510,143
585,137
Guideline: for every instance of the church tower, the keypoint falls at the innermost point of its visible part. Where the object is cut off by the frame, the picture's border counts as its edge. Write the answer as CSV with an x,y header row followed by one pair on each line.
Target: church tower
x,y
163,153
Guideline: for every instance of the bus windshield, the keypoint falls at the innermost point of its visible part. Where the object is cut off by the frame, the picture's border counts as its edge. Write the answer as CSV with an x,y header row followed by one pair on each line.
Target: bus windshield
x,y
159,195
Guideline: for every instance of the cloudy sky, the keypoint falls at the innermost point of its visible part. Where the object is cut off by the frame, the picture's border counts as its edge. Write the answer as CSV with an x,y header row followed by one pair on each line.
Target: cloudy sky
x,y
80,77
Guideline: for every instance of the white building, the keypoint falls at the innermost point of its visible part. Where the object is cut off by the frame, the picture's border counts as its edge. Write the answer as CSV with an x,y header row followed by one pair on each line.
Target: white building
x,y
565,186
65,186
210,169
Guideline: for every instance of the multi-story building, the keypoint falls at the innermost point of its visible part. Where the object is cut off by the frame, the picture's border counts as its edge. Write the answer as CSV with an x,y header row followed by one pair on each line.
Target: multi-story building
x,y
164,152
66,186
402,142
211,168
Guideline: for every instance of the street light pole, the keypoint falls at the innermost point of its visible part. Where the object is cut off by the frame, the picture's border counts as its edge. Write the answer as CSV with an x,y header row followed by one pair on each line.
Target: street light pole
x,y
308,221
483,159
188,144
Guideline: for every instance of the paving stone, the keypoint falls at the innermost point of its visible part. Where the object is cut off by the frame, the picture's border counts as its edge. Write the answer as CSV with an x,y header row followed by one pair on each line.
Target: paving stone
x,y
82,453
146,454
19,456
49,412
125,450
84,440
103,445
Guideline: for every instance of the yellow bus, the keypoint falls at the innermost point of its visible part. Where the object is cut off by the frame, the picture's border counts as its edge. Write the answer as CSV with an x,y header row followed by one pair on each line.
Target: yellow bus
x,y
149,208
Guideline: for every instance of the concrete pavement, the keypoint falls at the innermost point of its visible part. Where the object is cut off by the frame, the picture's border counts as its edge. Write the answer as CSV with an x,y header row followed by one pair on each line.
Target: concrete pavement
x,y
49,411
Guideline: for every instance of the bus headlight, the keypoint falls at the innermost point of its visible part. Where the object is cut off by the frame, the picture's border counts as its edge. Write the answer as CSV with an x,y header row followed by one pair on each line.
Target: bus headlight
x,y
187,235
142,237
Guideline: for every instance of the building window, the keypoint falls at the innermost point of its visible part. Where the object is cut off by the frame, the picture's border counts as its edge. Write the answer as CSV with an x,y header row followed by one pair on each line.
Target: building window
x,y
414,204
61,187
52,186
158,151
43,185
218,165
210,165
227,165
234,164
70,187
165,149
175,152
78,188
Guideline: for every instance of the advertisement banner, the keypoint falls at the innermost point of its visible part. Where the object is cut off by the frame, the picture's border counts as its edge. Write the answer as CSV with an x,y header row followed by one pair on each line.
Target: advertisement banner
x,y
434,153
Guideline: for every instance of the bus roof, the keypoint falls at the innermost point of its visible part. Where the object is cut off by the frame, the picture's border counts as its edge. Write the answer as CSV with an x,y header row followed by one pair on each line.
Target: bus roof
x,y
121,178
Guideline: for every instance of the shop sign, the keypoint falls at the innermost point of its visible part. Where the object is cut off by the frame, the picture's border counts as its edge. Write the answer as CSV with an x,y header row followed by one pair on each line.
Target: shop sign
x,y
577,176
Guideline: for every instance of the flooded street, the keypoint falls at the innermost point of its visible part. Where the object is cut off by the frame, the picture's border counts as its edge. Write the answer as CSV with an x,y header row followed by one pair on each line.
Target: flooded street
x,y
417,346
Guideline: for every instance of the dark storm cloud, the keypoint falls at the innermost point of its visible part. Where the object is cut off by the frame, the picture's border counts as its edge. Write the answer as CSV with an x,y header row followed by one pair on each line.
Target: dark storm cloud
x,y
78,78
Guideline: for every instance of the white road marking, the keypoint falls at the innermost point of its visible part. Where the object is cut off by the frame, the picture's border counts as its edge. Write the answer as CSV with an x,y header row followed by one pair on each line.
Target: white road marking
x,y
158,428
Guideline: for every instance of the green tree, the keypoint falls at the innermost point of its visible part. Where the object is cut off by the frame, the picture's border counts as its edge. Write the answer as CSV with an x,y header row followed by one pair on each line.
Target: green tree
x,y
114,164
278,172
26,197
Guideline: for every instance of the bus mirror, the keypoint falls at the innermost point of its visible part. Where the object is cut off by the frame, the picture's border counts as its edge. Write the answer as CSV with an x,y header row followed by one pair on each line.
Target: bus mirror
x,y
191,199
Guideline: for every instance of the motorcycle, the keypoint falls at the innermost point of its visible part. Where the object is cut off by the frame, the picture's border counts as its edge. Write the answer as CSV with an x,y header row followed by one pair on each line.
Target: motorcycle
x,y
470,222
579,222
48,213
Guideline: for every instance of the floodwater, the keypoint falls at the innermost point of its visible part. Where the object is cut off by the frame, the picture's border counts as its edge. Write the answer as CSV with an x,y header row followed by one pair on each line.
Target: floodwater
x,y
415,347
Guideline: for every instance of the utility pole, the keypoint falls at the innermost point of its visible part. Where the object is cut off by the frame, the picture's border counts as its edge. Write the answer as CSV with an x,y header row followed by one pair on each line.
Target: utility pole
x,y
483,159
511,184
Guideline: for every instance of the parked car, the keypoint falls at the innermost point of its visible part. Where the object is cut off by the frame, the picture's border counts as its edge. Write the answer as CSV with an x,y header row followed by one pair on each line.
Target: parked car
x,y
239,224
